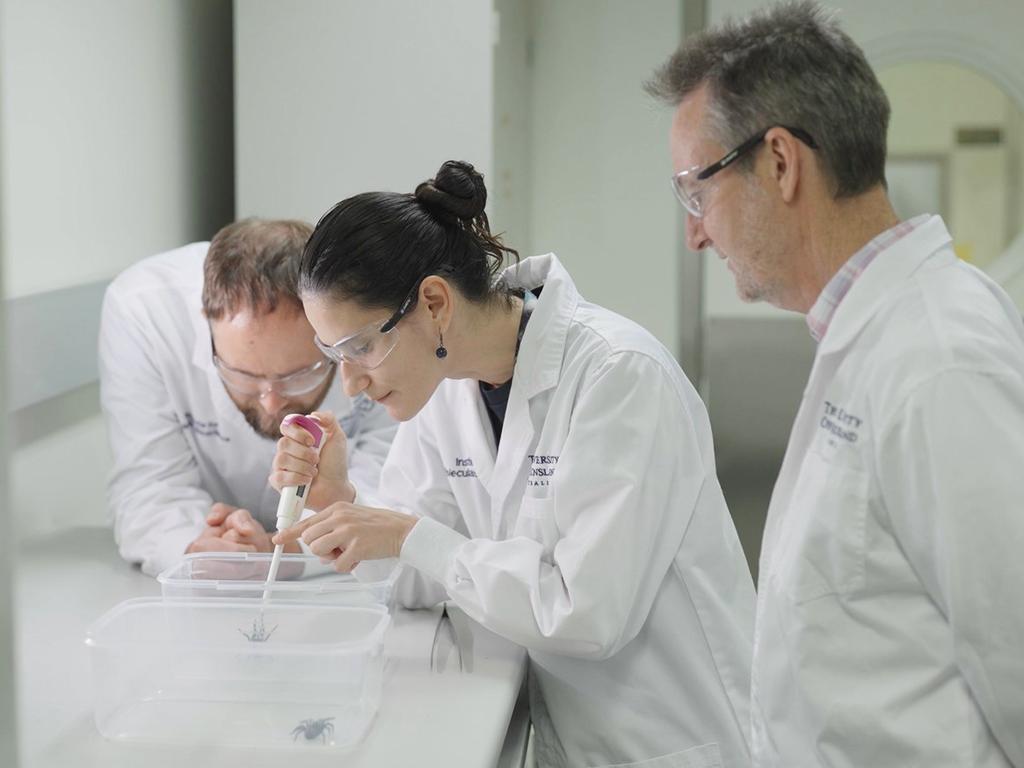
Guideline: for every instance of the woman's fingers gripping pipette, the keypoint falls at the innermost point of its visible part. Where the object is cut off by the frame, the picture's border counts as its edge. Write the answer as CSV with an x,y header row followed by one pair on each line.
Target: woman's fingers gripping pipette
x,y
349,533
298,462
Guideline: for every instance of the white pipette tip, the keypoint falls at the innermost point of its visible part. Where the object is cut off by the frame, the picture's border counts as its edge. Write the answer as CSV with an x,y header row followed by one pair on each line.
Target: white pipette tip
x,y
293,499
275,563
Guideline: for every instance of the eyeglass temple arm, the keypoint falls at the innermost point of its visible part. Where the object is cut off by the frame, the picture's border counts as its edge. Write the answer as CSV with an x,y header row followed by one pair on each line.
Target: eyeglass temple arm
x,y
393,320
743,148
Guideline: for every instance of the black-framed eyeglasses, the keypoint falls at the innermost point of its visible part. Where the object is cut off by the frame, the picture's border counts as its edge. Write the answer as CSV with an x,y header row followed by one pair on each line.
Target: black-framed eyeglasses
x,y
686,183
370,345
406,305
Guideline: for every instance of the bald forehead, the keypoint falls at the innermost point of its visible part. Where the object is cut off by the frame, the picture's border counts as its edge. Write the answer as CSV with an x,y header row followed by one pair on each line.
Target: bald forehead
x,y
286,315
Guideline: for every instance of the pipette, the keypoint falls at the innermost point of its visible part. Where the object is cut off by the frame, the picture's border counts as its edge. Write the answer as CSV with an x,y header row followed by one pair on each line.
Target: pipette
x,y
293,500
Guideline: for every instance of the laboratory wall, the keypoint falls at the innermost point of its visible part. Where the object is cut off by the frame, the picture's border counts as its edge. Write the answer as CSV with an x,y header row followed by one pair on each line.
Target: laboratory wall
x,y
8,705
8,748
104,159
978,190
599,163
335,98
108,158
510,186
544,97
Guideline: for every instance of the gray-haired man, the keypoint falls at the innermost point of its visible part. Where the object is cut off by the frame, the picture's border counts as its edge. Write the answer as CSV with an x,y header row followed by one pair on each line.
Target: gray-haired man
x,y
889,625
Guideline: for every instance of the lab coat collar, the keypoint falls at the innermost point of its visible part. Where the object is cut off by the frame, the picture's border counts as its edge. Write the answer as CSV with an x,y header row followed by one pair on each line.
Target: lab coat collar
x,y
539,363
881,277
538,367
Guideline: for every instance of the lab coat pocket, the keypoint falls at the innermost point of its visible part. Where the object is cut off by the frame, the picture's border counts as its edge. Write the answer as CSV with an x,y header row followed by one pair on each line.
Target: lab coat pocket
x,y
704,756
821,539
537,521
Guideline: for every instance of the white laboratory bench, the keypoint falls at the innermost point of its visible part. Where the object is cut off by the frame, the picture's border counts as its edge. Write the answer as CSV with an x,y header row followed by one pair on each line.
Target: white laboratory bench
x,y
65,582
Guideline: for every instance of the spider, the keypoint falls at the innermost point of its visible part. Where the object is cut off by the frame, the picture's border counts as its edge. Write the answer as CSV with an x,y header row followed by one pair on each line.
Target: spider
x,y
259,632
313,728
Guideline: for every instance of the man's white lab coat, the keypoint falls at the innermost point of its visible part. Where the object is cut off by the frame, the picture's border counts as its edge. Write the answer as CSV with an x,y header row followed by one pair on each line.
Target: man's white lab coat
x,y
179,442
890,620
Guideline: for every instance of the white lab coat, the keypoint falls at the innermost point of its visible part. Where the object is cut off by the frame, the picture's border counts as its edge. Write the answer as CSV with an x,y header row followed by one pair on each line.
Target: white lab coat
x,y
890,620
179,442
597,537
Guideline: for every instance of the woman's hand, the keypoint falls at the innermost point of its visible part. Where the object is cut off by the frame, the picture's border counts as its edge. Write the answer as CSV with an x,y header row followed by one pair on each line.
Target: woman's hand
x,y
297,462
348,534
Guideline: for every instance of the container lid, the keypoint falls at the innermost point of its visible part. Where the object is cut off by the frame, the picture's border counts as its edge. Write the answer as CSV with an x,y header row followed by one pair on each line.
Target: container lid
x,y
247,571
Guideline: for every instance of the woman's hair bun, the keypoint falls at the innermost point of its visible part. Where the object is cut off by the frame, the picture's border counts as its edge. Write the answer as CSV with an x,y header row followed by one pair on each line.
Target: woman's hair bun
x,y
458,190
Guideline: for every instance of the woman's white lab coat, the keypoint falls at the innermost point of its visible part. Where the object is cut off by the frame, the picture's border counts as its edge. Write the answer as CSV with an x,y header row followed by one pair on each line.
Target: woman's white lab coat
x,y
890,626
597,537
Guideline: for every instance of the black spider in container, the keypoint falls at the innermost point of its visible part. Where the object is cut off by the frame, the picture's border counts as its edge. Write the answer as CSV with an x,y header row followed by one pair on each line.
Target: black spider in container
x,y
313,728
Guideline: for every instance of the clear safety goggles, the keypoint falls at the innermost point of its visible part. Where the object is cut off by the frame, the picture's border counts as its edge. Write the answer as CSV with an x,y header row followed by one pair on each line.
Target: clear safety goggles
x,y
689,185
300,382
370,345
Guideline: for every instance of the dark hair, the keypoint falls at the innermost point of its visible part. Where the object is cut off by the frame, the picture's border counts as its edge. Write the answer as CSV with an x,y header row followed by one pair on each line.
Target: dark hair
x,y
253,264
375,247
789,64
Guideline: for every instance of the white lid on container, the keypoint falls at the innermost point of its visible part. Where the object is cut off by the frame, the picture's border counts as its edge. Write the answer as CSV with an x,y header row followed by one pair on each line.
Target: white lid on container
x,y
317,579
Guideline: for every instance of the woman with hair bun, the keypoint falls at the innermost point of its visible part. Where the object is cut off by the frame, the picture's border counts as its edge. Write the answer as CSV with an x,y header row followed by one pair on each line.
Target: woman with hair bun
x,y
553,476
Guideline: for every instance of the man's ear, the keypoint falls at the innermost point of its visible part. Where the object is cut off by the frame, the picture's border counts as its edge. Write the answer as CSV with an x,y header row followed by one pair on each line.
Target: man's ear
x,y
784,154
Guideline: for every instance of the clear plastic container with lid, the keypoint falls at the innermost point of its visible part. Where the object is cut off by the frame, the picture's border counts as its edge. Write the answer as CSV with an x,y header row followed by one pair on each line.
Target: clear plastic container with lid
x,y
303,578
237,673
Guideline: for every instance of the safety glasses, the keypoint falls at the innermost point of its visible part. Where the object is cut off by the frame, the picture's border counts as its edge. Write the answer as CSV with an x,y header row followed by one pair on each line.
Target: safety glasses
x,y
370,345
688,184
291,385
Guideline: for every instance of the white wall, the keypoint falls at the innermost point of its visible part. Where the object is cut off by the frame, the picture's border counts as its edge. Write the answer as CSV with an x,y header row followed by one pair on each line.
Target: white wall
x,y
510,185
600,196
116,144
103,157
979,179
58,477
336,97
8,707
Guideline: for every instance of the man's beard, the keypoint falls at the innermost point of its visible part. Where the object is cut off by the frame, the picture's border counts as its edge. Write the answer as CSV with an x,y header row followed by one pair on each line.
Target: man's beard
x,y
269,426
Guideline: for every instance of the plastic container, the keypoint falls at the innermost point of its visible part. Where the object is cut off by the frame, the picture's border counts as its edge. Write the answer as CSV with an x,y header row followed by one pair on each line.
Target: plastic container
x,y
237,673
303,578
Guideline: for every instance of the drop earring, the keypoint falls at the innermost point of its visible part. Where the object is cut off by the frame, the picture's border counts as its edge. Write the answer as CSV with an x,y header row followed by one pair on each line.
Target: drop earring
x,y
441,352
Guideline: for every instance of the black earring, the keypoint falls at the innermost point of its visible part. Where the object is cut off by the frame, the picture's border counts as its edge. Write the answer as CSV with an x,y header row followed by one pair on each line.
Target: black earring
x,y
441,352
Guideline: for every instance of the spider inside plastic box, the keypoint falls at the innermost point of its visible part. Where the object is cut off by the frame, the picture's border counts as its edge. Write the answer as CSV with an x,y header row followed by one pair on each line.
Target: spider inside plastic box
x,y
313,728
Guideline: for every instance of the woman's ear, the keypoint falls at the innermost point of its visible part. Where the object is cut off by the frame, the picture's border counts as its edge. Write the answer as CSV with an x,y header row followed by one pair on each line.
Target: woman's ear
x,y
437,296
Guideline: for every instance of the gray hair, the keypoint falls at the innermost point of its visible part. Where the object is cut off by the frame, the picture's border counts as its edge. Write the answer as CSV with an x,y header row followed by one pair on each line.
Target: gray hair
x,y
789,65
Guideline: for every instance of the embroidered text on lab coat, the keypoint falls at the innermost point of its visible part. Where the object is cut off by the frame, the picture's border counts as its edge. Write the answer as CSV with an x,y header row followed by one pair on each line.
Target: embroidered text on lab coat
x,y
462,468
840,423
542,469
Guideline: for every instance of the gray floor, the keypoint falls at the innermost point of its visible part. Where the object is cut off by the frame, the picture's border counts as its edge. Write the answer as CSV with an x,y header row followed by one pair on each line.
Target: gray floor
x,y
747,492
756,370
